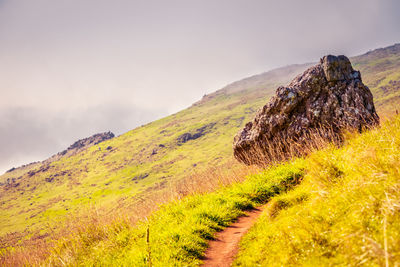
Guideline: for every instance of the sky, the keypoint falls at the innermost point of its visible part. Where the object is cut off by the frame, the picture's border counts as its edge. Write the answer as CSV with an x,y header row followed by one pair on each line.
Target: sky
x,y
72,68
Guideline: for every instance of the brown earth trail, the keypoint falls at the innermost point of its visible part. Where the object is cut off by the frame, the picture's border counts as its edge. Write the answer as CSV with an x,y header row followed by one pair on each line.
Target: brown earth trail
x,y
222,251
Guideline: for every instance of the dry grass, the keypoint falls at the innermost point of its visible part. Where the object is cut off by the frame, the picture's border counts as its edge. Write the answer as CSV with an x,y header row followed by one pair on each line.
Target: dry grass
x,y
282,148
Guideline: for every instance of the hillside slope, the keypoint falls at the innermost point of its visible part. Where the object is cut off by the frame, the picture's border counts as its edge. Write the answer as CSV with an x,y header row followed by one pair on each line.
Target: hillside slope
x,y
148,158
338,206
380,71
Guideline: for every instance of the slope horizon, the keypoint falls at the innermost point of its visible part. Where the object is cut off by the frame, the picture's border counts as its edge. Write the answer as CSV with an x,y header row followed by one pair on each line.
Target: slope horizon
x,y
231,87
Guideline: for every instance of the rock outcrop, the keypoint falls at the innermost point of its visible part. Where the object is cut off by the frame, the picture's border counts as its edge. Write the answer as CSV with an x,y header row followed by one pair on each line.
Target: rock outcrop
x,y
326,99
73,149
196,134
89,141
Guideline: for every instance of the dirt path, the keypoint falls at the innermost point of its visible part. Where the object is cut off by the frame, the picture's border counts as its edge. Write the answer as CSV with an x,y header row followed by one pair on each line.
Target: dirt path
x,y
223,249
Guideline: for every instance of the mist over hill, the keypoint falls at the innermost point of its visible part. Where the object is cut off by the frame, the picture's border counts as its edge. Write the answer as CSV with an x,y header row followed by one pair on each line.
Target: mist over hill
x,y
70,69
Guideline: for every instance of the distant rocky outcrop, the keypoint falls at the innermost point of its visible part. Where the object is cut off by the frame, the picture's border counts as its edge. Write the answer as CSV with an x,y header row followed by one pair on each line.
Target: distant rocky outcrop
x,y
326,98
87,142
195,134
71,150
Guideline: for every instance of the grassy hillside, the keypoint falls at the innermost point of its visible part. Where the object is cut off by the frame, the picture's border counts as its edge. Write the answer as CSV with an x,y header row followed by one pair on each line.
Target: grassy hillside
x,y
336,206
345,212
380,70
140,161
150,157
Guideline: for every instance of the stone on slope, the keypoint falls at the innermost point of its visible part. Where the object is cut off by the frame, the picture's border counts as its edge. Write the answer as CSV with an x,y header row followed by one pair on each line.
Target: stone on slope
x,y
326,99
87,142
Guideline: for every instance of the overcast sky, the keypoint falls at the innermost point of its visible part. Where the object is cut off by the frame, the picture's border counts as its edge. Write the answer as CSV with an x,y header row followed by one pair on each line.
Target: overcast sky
x,y
72,68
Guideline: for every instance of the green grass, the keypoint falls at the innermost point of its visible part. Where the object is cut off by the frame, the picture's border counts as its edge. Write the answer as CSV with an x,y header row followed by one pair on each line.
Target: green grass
x,y
344,211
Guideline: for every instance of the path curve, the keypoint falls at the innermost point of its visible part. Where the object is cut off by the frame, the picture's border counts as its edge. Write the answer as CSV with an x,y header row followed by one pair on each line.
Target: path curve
x,y
222,251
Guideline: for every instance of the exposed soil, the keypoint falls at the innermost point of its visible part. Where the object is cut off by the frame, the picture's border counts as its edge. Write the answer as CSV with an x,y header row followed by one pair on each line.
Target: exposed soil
x,y
223,249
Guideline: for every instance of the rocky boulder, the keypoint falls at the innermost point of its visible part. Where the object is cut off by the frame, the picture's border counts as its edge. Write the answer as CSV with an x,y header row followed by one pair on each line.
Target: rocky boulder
x,y
325,99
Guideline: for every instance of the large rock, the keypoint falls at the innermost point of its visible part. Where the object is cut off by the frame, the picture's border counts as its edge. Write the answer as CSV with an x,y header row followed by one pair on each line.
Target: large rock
x,y
325,99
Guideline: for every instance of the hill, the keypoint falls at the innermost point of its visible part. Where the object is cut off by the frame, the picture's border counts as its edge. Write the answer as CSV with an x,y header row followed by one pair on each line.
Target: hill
x,y
121,171
138,162
337,206
380,72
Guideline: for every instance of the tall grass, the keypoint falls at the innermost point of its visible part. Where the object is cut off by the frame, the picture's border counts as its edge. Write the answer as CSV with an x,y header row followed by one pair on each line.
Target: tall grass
x,y
283,146
346,211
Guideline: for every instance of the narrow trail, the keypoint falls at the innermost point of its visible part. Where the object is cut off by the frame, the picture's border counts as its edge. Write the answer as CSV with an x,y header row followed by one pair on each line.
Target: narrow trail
x,y
222,251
